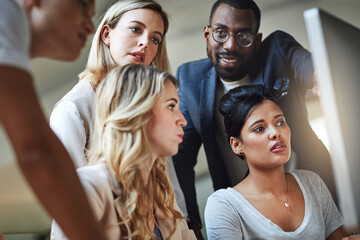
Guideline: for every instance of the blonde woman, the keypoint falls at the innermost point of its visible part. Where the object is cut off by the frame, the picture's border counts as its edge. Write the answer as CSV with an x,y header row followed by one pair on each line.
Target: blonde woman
x,y
137,125
131,31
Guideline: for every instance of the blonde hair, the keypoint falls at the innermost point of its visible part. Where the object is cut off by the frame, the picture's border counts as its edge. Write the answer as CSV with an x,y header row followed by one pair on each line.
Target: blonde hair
x,y
124,103
100,61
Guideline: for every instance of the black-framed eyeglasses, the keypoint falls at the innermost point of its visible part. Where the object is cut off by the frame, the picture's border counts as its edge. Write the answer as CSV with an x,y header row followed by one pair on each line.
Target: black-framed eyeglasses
x,y
221,35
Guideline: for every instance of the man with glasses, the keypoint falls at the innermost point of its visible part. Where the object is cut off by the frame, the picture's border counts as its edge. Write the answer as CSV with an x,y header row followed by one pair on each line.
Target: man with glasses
x,y
238,56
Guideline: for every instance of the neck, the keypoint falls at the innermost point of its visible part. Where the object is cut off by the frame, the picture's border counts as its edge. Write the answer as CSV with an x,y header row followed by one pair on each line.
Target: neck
x,y
269,182
235,80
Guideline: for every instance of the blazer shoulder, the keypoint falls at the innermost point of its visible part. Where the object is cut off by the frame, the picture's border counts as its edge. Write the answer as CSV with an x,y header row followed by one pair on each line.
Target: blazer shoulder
x,y
190,70
279,35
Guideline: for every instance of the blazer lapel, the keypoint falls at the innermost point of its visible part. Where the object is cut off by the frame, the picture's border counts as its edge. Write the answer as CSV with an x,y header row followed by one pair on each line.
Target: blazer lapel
x,y
207,103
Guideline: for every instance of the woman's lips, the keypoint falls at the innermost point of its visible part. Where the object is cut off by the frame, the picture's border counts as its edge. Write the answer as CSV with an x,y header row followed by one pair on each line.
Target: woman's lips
x,y
138,56
278,147
181,137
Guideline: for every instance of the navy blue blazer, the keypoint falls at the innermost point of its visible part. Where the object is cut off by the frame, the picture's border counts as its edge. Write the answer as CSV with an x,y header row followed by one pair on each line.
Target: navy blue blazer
x,y
280,63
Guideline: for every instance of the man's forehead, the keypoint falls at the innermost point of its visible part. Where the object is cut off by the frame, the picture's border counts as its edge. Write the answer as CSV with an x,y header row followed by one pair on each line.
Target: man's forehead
x,y
232,17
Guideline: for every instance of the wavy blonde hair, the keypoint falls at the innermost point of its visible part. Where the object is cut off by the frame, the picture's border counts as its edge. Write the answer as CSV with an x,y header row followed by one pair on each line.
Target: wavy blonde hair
x,y
100,61
124,103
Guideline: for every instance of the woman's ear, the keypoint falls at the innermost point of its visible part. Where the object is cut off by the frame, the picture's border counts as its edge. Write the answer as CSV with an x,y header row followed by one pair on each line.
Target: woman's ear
x,y
235,145
105,34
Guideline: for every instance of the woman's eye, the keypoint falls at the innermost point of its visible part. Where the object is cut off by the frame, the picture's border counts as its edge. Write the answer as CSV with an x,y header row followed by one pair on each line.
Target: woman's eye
x,y
258,129
135,29
280,123
171,107
156,40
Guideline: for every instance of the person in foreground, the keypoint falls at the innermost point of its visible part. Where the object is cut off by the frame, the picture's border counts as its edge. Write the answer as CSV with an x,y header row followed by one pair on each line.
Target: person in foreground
x,y
137,125
131,31
238,56
55,29
268,203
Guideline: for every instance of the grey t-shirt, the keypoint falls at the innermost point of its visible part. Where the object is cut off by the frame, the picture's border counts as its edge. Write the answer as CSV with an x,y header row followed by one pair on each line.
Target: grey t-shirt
x,y
228,215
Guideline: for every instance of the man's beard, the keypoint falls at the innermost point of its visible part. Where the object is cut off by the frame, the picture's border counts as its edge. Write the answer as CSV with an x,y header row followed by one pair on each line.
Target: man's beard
x,y
232,74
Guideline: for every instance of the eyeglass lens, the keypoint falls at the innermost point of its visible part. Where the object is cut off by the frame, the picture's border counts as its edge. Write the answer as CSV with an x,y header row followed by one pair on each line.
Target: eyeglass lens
x,y
221,36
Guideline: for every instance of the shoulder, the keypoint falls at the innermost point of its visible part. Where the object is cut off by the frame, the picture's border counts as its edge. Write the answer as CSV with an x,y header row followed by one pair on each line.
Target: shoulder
x,y
95,180
97,184
201,63
64,107
93,173
82,95
194,69
309,179
278,34
221,197
279,39
306,175
80,92
15,36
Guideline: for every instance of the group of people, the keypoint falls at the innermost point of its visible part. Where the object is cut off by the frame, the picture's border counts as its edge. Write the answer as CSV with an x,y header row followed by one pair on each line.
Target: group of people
x,y
133,130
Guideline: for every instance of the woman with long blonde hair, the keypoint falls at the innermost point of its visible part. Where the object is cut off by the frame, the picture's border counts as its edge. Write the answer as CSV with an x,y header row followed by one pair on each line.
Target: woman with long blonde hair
x,y
138,124
131,31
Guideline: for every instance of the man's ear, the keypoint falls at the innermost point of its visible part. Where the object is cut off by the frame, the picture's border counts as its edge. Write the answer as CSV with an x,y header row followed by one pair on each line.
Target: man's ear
x,y
235,145
206,33
258,39
105,34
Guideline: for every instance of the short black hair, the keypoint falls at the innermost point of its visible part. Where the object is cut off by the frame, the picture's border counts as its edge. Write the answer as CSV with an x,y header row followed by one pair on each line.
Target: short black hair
x,y
237,104
239,4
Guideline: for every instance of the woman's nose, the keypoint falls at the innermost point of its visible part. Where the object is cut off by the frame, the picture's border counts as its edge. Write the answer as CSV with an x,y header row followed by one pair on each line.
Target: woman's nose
x,y
274,133
143,41
182,121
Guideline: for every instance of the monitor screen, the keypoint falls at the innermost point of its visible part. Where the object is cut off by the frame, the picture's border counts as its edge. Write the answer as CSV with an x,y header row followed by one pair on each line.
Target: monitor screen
x,y
335,47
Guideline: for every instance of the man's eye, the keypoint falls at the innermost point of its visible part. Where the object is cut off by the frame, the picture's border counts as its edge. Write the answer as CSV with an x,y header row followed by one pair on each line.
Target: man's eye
x,y
242,36
221,33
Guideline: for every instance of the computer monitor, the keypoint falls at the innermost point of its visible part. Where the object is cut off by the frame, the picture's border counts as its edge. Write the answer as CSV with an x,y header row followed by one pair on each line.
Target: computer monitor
x,y
335,47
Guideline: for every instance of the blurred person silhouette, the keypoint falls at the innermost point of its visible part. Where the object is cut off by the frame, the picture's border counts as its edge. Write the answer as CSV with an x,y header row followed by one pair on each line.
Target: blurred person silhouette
x,y
55,29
